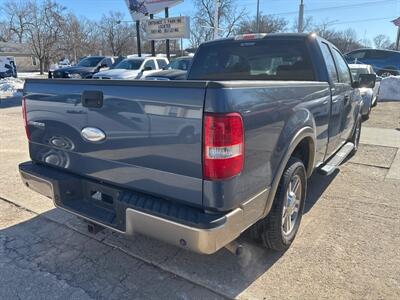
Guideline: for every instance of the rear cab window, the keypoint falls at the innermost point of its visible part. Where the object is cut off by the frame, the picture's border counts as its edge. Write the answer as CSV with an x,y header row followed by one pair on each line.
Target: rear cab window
x,y
378,54
356,55
264,59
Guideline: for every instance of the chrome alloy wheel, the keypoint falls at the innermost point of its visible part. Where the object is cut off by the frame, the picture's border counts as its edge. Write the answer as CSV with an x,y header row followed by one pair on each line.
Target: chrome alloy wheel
x,y
291,206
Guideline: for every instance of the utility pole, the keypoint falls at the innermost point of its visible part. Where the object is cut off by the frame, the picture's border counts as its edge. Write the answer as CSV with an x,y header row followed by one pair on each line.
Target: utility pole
x,y
152,42
258,16
216,19
181,43
139,49
300,23
398,38
167,40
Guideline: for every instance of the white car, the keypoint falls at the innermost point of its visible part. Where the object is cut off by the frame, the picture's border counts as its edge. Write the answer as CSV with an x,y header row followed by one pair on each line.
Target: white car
x,y
133,68
368,94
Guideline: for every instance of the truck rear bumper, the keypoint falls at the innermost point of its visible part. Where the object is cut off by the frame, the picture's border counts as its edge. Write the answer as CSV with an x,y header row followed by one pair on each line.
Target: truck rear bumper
x,y
129,212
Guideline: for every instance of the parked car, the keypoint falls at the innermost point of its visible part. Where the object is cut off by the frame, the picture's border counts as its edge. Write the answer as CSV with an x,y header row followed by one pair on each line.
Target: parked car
x,y
167,75
368,94
227,150
384,62
133,68
85,68
8,67
175,70
180,63
62,63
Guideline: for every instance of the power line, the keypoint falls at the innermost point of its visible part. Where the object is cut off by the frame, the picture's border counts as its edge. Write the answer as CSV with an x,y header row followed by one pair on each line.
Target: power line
x,y
362,4
362,20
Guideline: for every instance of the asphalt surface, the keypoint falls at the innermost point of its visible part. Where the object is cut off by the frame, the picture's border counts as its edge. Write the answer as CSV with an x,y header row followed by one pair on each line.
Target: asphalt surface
x,y
348,246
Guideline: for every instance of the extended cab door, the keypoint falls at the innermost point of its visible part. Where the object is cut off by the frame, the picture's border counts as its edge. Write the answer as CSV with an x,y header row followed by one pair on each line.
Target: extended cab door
x,y
337,102
349,101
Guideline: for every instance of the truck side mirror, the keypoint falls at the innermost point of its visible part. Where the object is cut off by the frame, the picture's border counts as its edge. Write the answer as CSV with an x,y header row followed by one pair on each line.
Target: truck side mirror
x,y
367,81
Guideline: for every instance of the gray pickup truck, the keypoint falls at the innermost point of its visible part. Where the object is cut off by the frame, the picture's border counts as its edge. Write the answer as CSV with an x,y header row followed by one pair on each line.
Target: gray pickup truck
x,y
197,162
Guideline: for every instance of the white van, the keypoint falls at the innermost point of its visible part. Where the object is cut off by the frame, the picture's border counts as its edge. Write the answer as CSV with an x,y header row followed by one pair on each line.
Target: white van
x,y
8,67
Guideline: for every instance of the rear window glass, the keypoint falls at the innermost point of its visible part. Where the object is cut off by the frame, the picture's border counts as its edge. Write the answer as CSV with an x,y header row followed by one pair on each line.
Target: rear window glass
x,y
253,60
378,54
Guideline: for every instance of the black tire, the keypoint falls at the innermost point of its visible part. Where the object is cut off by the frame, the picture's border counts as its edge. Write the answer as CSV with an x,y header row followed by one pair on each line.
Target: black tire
x,y
272,227
355,138
366,117
374,104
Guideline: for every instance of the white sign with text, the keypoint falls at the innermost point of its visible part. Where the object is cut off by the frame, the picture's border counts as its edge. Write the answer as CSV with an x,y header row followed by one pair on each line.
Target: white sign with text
x,y
169,28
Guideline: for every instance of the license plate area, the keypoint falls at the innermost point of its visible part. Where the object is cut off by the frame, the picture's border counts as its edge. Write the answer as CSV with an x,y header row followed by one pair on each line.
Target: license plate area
x,y
93,200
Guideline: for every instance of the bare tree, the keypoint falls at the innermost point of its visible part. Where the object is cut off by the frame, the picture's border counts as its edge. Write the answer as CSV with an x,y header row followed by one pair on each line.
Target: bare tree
x,y
382,41
80,37
44,30
345,40
18,15
5,32
308,24
229,17
268,24
117,35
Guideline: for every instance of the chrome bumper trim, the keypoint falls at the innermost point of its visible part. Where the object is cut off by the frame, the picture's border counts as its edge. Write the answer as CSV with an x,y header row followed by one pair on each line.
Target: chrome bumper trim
x,y
205,241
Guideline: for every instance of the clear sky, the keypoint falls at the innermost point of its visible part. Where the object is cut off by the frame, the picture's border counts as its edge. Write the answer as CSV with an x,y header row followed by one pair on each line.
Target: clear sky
x,y
368,17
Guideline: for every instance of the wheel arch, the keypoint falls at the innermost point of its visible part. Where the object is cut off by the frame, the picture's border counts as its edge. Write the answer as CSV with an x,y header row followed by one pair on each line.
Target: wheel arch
x,y
303,143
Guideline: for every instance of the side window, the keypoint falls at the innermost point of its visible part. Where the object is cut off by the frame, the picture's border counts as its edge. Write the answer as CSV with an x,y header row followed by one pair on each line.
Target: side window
x,y
343,69
330,63
150,64
105,61
108,62
161,63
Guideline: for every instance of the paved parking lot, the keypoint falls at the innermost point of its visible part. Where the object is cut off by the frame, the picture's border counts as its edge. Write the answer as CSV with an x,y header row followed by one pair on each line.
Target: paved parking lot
x,y
348,245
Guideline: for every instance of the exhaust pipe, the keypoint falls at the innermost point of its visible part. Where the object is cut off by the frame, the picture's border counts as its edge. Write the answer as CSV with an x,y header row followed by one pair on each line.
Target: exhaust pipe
x,y
235,248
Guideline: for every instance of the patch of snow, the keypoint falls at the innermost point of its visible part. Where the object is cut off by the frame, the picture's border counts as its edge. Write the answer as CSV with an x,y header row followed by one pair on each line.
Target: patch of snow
x,y
389,89
25,75
11,87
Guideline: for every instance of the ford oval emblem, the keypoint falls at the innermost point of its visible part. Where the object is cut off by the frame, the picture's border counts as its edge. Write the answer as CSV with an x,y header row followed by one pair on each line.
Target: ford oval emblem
x,y
92,134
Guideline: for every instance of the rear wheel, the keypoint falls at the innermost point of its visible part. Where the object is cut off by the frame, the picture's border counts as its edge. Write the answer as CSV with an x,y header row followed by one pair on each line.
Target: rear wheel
x,y
280,227
366,116
375,102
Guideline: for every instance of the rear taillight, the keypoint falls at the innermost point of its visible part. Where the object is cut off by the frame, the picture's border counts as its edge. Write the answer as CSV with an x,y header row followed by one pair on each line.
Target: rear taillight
x,y
24,116
223,146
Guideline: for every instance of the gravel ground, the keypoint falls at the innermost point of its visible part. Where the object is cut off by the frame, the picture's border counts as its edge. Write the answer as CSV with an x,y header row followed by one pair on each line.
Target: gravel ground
x,y
348,246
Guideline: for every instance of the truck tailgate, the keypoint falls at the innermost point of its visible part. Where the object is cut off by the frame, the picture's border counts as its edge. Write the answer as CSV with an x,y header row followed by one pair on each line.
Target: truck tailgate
x,y
152,132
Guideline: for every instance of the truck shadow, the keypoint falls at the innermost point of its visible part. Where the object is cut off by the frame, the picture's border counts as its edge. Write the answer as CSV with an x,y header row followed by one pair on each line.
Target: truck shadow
x,y
78,257
96,263
317,184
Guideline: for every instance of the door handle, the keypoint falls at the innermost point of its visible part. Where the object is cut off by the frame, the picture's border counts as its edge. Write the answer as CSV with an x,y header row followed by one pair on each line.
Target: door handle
x,y
92,99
